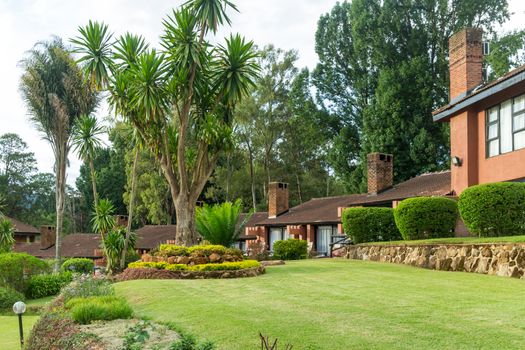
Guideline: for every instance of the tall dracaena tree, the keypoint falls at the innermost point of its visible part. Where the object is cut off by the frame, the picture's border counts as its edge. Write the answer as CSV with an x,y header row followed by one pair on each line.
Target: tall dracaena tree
x,y
86,142
56,95
180,100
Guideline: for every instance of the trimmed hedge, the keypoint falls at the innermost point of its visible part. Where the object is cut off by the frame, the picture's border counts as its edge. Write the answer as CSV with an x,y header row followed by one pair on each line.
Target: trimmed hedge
x,y
107,308
370,224
238,265
290,249
80,265
197,250
9,296
496,209
16,269
48,284
426,217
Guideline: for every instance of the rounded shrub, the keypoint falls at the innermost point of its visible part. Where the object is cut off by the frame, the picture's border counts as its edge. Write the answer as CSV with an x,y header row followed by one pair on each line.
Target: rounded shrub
x,y
426,217
80,265
9,296
290,249
47,284
370,224
16,269
496,209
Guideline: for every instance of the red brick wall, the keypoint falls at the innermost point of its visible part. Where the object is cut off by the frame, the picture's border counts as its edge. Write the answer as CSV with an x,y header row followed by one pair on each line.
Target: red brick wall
x,y
47,236
466,61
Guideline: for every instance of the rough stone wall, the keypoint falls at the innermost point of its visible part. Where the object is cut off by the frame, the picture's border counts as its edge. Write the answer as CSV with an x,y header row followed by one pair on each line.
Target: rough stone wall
x,y
493,259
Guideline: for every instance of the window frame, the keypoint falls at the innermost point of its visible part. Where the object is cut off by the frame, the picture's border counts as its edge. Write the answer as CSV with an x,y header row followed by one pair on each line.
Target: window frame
x,y
497,122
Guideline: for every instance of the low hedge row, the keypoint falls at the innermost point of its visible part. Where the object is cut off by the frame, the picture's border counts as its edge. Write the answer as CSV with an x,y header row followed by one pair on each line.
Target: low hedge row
x,y
97,308
168,250
370,224
226,266
496,209
17,269
48,284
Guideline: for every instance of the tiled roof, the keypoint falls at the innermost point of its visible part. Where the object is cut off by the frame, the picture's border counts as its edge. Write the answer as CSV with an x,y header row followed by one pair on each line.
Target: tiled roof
x,y
150,236
20,227
480,89
324,210
76,245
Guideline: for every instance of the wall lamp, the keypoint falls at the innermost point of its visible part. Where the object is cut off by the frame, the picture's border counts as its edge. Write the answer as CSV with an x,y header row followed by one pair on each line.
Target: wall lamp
x,y
456,161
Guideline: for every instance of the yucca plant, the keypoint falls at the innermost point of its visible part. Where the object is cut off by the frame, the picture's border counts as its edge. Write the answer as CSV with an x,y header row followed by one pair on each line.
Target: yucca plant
x,y
103,220
7,231
219,224
114,244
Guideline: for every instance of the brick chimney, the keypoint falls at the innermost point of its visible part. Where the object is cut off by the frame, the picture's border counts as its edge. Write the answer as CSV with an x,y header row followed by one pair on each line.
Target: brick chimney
x,y
380,172
466,61
48,235
121,220
277,199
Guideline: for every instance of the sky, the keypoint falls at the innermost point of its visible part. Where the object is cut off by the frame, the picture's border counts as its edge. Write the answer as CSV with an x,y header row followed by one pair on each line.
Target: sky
x,y
288,24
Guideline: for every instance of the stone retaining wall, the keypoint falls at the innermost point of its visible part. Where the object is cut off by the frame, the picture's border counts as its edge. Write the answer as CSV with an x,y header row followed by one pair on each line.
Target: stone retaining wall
x,y
493,259
154,274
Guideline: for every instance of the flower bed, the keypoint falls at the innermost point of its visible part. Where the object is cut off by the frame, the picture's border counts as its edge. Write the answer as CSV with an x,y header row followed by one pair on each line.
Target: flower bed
x,y
197,262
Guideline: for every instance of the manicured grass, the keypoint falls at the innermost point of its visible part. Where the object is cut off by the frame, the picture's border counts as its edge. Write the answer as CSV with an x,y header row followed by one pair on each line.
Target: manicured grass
x,y
456,240
9,336
342,304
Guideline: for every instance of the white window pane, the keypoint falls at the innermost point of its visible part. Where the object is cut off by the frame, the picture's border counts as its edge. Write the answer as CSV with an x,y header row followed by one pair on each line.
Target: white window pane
x,y
519,140
493,114
505,119
519,103
493,131
519,122
493,148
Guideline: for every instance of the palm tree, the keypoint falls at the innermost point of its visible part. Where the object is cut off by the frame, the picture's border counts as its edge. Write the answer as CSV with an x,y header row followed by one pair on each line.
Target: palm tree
x,y
181,99
103,219
56,95
6,235
86,142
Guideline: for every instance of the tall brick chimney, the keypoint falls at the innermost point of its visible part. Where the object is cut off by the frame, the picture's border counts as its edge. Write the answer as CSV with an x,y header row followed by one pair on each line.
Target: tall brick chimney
x,y
277,199
380,172
465,61
48,235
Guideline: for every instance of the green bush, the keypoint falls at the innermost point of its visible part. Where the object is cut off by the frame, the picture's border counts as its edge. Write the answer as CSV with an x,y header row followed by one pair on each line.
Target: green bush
x,y
426,217
16,269
173,250
239,265
496,209
219,223
47,284
9,296
84,286
109,307
80,265
290,249
370,224
188,342
167,250
161,265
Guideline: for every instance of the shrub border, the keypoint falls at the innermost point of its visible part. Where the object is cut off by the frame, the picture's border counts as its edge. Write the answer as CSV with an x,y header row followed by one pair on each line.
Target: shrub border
x,y
153,274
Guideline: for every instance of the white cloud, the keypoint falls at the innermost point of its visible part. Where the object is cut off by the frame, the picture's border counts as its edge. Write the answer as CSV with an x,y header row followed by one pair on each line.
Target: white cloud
x,y
288,24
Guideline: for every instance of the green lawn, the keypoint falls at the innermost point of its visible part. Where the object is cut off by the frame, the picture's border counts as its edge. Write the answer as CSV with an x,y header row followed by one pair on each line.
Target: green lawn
x,y
342,304
456,240
9,336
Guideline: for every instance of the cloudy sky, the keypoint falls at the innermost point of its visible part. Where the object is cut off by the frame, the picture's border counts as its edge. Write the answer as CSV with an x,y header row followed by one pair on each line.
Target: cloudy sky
x,y
289,24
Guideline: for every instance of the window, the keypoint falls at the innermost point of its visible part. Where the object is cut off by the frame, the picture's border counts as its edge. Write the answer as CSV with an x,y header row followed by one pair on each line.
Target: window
x,y
277,234
505,127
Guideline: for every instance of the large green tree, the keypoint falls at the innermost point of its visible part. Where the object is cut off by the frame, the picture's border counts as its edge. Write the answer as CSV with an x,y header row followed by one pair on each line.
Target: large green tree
x,y
382,69
56,95
181,99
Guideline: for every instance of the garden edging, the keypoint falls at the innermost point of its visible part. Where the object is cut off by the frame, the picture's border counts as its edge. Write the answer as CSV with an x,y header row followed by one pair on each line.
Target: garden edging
x,y
493,259
149,273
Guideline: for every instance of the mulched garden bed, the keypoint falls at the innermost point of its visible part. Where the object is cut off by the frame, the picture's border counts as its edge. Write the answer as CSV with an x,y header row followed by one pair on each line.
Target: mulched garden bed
x,y
155,274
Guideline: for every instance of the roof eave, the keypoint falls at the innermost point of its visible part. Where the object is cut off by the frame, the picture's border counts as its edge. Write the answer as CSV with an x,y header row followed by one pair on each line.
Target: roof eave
x,y
504,84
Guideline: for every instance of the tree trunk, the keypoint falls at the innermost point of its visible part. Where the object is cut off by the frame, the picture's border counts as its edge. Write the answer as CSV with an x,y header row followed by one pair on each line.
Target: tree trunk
x,y
252,180
228,175
61,161
93,181
298,188
185,209
131,205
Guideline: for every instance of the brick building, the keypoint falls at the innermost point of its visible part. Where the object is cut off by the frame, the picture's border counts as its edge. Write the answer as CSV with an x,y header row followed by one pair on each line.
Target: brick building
x,y
487,119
